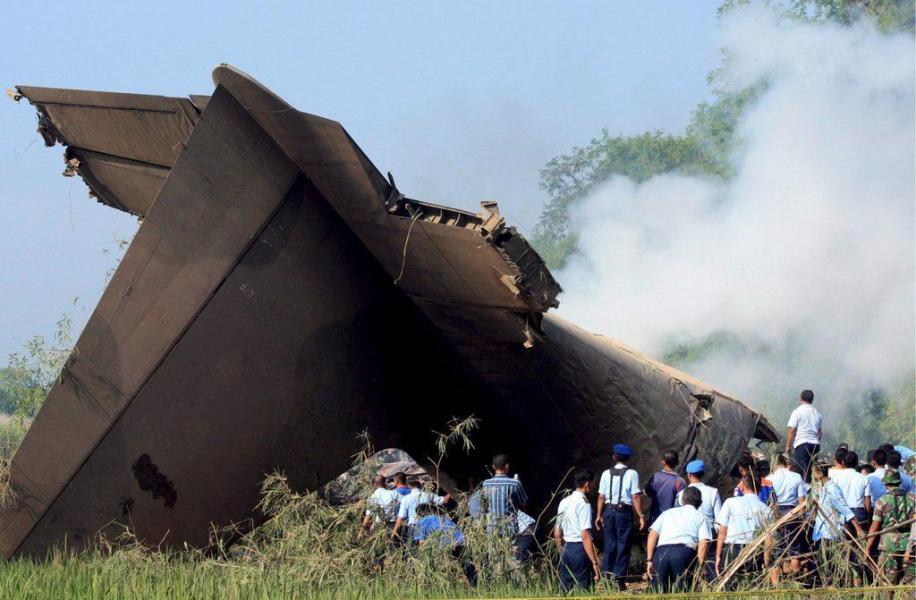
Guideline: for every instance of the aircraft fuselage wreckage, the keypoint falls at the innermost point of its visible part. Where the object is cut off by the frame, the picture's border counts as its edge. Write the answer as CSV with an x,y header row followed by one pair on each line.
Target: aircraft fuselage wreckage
x,y
280,296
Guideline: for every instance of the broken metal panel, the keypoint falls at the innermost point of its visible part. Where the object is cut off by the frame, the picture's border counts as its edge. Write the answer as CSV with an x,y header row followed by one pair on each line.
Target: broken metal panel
x,y
450,264
121,183
125,142
143,128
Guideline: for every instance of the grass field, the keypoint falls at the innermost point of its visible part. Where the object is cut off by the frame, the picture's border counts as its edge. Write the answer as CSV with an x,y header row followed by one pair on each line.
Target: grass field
x,y
111,577
308,548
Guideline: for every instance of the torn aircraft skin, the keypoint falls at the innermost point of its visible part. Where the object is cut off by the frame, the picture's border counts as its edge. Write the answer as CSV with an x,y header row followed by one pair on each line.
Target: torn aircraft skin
x,y
280,296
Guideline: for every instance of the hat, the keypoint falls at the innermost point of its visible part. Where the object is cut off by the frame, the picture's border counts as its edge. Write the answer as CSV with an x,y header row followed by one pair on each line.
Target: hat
x,y
891,477
695,466
623,450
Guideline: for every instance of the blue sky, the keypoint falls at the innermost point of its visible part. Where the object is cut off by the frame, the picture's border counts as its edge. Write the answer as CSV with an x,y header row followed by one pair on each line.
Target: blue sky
x,y
462,102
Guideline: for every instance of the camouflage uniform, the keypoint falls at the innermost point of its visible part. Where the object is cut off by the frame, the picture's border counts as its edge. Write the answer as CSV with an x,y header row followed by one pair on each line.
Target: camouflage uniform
x,y
896,507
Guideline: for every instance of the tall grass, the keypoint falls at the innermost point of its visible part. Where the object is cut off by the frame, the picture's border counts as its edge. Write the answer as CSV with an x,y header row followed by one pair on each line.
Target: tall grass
x,y
308,548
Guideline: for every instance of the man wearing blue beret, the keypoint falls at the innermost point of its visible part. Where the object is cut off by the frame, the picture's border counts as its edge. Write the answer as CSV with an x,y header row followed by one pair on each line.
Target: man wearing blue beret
x,y
618,497
710,504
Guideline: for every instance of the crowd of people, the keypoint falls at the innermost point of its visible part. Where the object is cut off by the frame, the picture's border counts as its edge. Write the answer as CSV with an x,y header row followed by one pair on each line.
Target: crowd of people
x,y
773,524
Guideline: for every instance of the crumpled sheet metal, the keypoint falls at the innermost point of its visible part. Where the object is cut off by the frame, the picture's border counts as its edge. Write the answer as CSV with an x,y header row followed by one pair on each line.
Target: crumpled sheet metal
x,y
254,324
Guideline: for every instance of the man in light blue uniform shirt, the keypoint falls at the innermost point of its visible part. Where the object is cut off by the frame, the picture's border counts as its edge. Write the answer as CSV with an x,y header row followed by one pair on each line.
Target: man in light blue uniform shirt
x,y
740,520
573,536
711,500
834,514
619,496
407,510
711,503
678,537
789,488
878,460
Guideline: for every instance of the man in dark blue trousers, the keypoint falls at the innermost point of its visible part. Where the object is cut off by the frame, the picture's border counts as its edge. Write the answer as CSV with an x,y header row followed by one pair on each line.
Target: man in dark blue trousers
x,y
678,540
573,536
619,497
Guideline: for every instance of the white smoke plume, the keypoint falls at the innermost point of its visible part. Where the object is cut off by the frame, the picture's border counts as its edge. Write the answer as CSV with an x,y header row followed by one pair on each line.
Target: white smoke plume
x,y
806,256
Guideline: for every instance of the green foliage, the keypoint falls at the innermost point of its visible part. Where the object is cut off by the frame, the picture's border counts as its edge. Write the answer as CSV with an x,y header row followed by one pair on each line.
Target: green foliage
x,y
881,416
888,15
570,177
29,375
707,147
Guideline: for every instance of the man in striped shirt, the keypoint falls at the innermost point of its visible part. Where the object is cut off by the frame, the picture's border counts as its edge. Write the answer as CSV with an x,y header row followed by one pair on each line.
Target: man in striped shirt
x,y
503,497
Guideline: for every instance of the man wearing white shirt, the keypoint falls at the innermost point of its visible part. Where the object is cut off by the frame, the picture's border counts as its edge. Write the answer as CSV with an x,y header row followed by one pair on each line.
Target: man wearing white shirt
x,y
711,503
790,491
677,538
381,506
407,510
803,437
857,494
740,520
854,486
573,536
619,496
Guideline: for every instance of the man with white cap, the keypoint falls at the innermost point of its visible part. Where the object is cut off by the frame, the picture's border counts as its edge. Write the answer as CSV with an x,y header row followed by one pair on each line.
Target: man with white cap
x,y
619,496
710,504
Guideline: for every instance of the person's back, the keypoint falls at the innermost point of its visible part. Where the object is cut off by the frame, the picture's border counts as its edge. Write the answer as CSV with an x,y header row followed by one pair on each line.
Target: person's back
x,y
832,514
803,436
744,516
677,539
710,500
740,520
438,528
876,486
502,496
853,485
807,422
383,503
786,484
893,515
895,462
894,512
664,486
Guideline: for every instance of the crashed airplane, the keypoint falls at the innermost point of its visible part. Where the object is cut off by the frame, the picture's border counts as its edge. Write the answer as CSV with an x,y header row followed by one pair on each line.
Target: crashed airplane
x,y
282,295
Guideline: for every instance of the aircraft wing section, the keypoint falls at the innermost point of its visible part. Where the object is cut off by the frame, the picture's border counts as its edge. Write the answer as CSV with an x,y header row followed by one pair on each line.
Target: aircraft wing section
x,y
122,145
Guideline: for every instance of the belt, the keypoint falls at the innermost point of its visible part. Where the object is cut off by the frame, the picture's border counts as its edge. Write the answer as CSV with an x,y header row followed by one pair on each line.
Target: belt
x,y
677,546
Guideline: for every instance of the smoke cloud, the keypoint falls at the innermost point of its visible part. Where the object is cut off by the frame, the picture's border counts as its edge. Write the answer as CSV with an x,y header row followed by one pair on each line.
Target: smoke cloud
x,y
805,259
